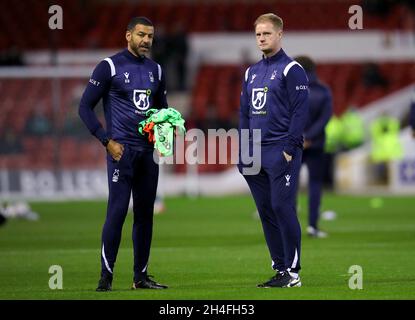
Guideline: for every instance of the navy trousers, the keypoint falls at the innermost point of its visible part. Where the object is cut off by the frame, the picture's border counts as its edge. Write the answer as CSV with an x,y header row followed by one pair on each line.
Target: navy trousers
x,y
136,172
274,190
314,160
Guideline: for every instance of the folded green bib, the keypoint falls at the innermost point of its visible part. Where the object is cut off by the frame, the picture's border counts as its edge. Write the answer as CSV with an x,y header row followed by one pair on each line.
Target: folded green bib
x,y
165,120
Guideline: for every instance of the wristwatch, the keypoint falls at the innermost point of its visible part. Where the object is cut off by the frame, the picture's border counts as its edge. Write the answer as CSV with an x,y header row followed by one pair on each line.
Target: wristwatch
x,y
105,142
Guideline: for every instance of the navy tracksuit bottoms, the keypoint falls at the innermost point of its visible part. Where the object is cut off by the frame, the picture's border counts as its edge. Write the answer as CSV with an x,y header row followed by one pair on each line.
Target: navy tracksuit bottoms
x,y
274,190
136,172
314,160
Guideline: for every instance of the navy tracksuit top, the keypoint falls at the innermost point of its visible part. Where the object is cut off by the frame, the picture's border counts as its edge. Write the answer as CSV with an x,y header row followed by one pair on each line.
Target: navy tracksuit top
x,y
412,112
129,86
320,111
274,99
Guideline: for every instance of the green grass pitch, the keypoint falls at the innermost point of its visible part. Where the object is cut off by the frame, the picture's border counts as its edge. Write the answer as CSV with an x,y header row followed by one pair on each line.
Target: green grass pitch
x,y
212,248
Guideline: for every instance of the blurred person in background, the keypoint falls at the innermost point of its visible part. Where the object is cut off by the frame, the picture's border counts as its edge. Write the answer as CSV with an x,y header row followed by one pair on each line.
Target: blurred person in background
x,y
412,115
386,145
129,84
38,123
17,210
11,57
179,49
170,50
2,219
72,127
334,131
10,142
372,76
274,99
320,111
353,129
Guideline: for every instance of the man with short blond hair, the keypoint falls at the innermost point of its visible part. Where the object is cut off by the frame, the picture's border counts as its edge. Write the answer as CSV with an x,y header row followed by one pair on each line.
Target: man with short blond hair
x,y
274,99
270,17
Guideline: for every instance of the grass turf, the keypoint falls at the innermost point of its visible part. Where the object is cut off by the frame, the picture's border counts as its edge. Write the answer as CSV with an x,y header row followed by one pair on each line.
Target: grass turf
x,y
212,248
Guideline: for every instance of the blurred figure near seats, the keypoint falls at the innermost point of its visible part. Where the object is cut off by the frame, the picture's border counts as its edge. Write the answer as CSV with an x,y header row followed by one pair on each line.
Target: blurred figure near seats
x,y
353,129
170,50
38,124
72,125
179,48
334,131
372,76
160,52
11,57
376,7
17,210
412,115
386,145
3,219
10,143
385,139
321,109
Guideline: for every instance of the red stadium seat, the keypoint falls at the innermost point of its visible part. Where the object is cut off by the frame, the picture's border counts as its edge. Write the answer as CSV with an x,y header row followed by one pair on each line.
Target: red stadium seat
x,y
102,28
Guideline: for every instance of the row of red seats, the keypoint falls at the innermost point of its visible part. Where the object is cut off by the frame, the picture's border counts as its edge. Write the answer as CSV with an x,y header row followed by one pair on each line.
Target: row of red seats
x,y
217,88
215,95
96,24
22,98
49,152
69,153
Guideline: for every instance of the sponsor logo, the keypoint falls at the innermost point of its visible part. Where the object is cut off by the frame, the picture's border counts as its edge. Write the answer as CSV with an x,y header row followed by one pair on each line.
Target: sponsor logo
x,y
141,99
263,112
259,97
116,175
126,75
287,177
94,82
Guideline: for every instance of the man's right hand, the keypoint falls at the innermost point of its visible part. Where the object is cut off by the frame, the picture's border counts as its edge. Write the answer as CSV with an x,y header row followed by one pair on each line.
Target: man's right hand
x,y
287,156
115,149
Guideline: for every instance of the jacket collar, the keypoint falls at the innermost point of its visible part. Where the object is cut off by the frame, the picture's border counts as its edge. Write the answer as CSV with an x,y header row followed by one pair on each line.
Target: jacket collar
x,y
129,55
275,57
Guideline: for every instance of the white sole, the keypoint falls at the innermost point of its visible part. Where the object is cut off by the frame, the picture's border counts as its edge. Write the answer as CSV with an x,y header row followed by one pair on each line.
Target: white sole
x,y
295,283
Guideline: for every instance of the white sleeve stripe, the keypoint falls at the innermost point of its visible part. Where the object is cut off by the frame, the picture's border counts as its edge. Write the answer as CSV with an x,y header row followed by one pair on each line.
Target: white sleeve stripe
x,y
288,67
111,66
246,74
158,66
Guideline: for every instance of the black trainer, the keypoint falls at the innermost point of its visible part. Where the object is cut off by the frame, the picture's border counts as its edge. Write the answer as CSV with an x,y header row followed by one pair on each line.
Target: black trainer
x,y
281,280
147,283
104,284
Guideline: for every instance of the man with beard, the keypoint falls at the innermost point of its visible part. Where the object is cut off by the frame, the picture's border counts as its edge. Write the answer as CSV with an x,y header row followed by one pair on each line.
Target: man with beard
x,y
129,84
